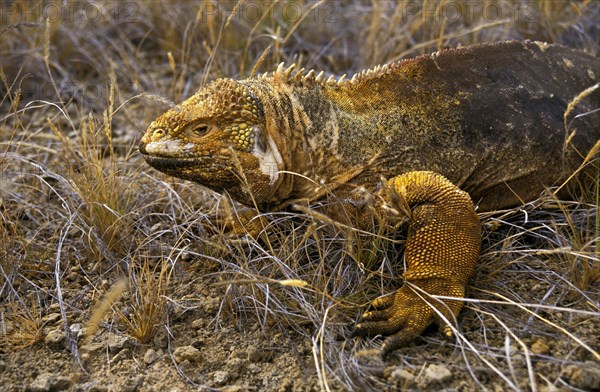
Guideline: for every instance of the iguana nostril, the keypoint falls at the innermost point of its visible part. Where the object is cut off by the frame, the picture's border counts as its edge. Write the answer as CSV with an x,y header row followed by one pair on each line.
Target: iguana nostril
x,y
158,133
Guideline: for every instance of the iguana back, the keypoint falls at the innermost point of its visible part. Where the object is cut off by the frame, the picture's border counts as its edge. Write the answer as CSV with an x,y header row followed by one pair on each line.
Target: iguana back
x,y
488,117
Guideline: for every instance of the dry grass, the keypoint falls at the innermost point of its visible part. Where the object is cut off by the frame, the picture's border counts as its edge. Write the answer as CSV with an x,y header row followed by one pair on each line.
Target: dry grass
x,y
79,209
23,324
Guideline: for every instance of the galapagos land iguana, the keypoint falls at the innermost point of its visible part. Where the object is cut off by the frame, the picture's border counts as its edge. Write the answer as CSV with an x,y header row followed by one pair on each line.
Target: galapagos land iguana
x,y
482,125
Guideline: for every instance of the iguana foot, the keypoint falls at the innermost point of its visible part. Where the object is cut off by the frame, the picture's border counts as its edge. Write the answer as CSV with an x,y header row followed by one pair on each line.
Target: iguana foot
x,y
405,314
442,248
242,223
233,222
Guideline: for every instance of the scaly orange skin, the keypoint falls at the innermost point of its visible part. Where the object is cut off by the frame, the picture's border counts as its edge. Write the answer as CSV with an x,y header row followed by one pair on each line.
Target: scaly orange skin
x,y
442,248
485,121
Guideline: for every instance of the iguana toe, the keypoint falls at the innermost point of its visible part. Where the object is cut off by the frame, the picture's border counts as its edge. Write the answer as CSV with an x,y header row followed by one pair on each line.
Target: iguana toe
x,y
409,311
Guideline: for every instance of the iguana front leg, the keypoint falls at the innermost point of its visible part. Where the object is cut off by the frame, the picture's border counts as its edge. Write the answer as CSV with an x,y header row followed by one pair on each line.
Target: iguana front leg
x,y
442,248
235,223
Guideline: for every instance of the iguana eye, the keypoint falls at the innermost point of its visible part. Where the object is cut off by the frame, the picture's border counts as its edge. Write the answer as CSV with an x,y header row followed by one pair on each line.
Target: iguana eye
x,y
198,130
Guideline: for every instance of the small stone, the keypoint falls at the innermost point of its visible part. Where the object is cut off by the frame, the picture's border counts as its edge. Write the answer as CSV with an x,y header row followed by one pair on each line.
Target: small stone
x,y
253,368
133,384
151,356
401,375
234,368
234,388
46,382
92,386
51,318
76,330
584,376
189,353
220,377
540,348
117,343
91,347
254,354
2,365
211,305
436,374
160,339
73,276
198,324
55,339
121,355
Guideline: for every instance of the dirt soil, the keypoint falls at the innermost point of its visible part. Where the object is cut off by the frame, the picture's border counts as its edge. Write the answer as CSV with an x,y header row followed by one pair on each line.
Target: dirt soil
x,y
87,228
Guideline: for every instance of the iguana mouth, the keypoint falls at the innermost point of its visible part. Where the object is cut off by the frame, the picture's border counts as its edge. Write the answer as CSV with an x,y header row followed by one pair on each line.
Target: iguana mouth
x,y
202,170
170,163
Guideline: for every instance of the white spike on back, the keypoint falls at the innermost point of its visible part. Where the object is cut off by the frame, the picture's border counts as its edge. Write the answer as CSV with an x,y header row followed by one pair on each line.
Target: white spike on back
x,y
279,70
320,77
289,70
299,74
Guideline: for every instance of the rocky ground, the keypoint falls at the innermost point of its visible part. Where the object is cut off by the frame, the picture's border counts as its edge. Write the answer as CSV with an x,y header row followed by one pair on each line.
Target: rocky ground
x,y
90,232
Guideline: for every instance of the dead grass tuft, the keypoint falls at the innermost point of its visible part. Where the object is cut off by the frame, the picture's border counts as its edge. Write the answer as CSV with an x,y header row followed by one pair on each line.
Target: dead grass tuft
x,y
147,304
22,324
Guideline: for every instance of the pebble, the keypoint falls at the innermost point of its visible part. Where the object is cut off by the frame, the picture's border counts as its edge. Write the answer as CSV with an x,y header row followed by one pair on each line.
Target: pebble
x,y
211,305
76,330
584,376
91,347
234,388
253,368
254,354
198,324
46,382
117,343
92,386
401,375
220,377
234,368
133,384
540,348
151,356
51,318
189,353
121,355
435,374
160,339
55,339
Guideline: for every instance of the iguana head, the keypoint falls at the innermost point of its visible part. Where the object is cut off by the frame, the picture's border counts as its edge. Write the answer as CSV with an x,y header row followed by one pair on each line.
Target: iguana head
x,y
218,139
